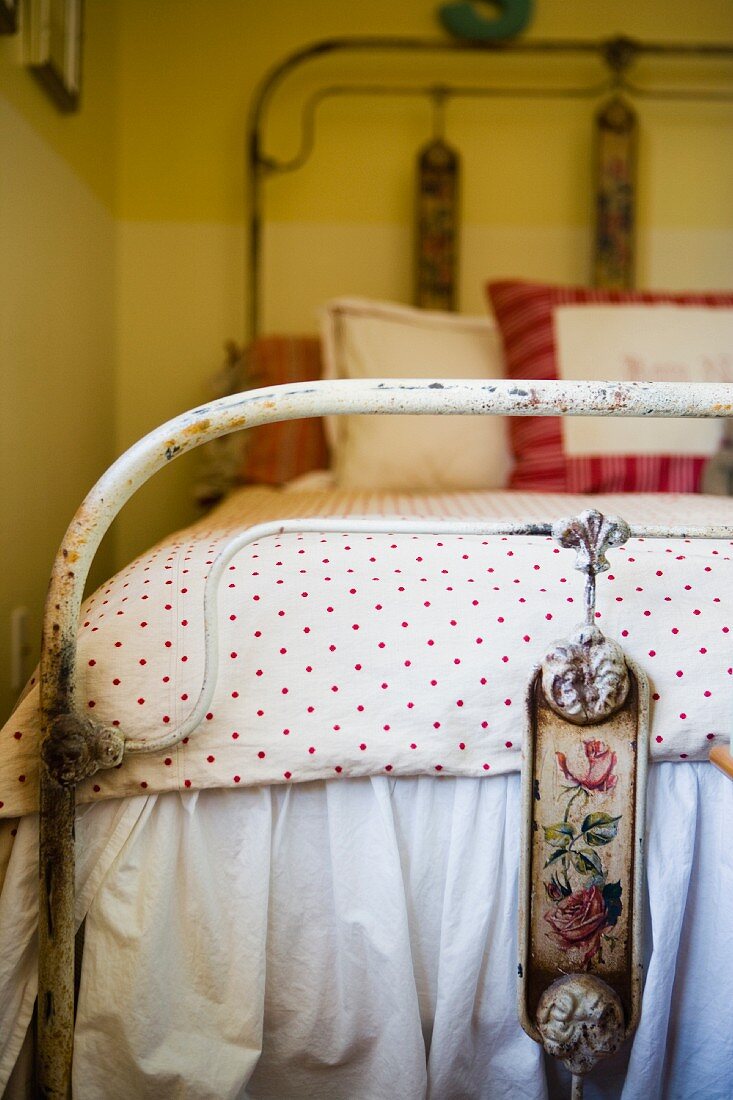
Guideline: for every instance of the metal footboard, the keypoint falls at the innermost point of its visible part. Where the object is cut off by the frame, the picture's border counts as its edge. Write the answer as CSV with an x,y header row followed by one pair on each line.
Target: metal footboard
x,y
73,746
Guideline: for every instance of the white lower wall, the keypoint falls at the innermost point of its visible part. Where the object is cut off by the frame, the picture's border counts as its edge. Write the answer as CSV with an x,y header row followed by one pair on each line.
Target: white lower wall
x,y
305,264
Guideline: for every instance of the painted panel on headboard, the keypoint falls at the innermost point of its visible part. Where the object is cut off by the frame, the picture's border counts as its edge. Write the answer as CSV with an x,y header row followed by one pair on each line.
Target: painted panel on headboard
x,y
437,226
615,171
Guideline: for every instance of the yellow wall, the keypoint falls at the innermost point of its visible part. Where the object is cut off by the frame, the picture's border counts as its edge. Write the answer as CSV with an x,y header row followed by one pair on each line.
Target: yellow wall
x,y
189,78
342,224
57,310
85,140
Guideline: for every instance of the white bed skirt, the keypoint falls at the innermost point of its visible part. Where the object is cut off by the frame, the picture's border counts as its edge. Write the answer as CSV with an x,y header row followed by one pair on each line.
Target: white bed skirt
x,y
357,941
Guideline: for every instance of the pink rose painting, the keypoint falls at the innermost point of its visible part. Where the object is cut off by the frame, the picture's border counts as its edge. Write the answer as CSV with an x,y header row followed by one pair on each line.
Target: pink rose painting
x,y
600,762
578,921
583,913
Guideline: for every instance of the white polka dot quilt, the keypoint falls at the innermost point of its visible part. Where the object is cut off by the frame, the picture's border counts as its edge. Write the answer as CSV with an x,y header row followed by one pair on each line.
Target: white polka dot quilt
x,y
384,654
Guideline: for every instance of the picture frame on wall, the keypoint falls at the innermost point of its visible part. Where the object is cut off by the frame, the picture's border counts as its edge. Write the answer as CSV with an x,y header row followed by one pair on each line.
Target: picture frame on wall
x,y
9,16
54,44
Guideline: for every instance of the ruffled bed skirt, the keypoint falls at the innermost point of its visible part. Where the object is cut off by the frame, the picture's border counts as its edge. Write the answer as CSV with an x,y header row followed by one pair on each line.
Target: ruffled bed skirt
x,y
357,940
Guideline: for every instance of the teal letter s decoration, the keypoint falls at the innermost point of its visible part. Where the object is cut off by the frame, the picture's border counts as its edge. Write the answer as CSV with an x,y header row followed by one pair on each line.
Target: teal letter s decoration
x,y
464,19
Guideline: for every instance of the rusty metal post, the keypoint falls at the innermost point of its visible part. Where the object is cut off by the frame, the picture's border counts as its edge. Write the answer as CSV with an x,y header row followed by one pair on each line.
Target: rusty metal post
x,y
56,939
72,747
56,871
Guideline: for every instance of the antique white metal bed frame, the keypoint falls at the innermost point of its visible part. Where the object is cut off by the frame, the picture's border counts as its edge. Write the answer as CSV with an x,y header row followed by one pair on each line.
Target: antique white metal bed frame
x,y
73,745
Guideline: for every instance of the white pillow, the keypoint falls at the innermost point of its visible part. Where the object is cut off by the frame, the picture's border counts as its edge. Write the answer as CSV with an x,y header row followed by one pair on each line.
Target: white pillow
x,y
367,339
636,342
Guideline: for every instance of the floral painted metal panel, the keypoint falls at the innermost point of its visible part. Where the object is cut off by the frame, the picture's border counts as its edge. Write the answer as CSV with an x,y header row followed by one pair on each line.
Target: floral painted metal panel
x,y
436,267
584,783
615,172
583,848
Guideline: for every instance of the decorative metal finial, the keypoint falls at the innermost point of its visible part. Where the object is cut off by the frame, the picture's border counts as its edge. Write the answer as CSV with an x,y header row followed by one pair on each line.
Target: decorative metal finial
x,y
584,677
76,748
581,1020
590,534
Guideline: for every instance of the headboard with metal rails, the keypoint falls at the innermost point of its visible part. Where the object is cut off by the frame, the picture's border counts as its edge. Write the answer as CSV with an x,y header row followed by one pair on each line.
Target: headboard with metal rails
x,y
615,83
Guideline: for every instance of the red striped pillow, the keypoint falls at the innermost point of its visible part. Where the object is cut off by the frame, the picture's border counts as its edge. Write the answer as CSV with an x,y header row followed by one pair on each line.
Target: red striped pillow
x,y
276,453
525,315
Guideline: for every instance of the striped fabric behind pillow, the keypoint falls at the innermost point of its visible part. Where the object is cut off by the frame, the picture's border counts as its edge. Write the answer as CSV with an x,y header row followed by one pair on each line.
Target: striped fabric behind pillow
x,y
524,313
277,453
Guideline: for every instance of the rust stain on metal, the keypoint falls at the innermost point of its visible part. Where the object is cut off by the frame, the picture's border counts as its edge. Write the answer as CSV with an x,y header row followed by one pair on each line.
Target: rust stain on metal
x,y
197,428
56,939
76,747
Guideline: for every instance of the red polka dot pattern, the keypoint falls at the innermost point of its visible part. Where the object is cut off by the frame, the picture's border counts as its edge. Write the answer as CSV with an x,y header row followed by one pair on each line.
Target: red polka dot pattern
x,y
346,655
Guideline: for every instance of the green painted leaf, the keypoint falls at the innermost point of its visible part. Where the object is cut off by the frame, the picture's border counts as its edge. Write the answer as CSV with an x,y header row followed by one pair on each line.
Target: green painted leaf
x,y
597,838
599,829
561,887
612,897
587,861
559,854
591,821
559,835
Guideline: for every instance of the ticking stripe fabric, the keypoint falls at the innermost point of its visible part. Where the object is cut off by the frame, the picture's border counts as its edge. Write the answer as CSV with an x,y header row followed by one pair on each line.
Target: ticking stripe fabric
x,y
525,315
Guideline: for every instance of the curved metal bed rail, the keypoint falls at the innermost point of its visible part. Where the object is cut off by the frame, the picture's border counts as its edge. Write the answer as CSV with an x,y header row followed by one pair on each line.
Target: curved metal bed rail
x,y
74,747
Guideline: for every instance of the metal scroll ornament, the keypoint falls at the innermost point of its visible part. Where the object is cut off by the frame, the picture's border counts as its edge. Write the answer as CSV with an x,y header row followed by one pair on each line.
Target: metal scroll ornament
x,y
584,793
